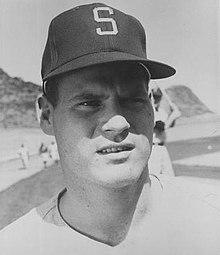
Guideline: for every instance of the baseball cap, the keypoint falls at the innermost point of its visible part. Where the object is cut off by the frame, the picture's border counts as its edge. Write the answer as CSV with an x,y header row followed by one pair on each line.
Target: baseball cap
x,y
94,34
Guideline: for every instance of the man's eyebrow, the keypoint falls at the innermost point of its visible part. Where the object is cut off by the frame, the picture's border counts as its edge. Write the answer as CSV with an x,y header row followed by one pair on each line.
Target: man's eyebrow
x,y
137,93
87,96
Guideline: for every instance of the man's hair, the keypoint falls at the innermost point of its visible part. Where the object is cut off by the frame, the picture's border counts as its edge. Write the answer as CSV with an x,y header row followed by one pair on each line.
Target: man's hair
x,y
50,90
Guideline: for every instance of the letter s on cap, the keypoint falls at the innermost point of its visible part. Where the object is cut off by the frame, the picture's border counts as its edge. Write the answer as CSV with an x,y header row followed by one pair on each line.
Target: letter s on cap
x,y
114,30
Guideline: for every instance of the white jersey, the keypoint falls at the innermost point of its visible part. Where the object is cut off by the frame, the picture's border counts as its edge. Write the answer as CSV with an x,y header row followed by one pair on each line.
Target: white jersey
x,y
53,151
176,222
160,115
159,161
23,152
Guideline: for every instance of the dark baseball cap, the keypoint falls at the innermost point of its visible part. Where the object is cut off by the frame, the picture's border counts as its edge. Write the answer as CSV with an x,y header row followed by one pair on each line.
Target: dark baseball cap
x,y
94,34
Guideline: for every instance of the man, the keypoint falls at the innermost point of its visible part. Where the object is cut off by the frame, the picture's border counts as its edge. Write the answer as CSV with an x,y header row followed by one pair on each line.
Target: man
x,y
159,161
24,156
44,154
168,116
96,74
53,152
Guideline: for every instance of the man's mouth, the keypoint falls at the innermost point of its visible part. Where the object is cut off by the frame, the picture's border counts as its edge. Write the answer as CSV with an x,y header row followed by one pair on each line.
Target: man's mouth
x,y
115,149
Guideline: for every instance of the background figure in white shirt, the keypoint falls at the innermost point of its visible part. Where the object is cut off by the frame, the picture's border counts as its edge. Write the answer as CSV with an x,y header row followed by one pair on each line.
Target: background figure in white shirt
x,y
53,152
168,116
43,152
24,156
160,162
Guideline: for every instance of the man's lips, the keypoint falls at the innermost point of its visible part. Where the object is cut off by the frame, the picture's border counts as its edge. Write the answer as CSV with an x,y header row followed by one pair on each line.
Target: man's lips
x,y
115,149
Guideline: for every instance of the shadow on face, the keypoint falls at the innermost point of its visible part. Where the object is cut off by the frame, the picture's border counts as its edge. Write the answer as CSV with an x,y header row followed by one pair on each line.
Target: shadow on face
x,y
103,122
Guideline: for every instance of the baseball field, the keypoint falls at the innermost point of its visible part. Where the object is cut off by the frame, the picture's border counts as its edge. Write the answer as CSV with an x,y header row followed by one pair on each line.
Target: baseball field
x,y
194,150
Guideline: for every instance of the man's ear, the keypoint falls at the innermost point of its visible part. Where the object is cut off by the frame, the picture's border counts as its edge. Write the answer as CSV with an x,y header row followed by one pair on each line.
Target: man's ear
x,y
46,115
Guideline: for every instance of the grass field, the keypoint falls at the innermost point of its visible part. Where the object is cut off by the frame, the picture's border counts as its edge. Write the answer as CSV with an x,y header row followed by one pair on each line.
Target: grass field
x,y
21,197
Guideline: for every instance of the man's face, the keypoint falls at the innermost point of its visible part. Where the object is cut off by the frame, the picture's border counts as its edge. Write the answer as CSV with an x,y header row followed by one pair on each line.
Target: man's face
x,y
103,124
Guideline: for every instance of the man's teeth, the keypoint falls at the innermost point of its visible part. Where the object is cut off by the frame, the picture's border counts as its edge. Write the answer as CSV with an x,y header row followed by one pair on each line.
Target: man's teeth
x,y
114,149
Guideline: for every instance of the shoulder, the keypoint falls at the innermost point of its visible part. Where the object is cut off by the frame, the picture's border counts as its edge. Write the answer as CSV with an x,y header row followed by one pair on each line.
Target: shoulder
x,y
191,204
30,233
27,221
19,232
208,194
186,221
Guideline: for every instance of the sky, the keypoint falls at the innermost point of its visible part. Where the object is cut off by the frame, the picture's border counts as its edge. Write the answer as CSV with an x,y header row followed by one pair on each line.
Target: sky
x,y
184,34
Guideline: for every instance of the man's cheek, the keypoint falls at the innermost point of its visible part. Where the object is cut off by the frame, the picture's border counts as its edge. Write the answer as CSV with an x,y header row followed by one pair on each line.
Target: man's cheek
x,y
86,148
66,143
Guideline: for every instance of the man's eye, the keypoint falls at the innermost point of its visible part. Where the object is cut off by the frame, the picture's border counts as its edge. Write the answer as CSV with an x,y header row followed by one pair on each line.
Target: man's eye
x,y
90,104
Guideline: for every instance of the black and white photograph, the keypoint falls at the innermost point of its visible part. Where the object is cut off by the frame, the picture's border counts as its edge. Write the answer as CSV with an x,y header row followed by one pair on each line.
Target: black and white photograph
x,y
109,127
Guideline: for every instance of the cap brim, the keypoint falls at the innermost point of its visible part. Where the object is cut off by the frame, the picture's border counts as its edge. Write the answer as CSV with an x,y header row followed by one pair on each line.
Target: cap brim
x,y
157,70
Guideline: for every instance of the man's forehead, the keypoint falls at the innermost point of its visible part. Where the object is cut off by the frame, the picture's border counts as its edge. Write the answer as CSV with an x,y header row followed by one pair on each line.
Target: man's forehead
x,y
101,83
106,74
91,90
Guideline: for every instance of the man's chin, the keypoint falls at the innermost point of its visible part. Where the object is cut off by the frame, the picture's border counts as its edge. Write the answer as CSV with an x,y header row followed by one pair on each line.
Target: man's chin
x,y
118,175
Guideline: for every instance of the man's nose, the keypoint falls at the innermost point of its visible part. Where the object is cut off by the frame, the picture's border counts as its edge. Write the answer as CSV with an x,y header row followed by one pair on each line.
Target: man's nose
x,y
116,129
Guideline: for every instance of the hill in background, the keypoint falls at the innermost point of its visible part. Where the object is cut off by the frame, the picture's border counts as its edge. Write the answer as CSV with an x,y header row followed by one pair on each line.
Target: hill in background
x,y
188,103
17,102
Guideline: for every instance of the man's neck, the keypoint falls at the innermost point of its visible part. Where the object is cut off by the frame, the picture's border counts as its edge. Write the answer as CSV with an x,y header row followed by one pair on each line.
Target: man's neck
x,y
100,213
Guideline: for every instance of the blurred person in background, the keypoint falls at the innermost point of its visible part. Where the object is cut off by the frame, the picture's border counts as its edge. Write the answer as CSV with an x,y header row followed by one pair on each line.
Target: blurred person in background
x,y
160,162
53,152
44,153
168,116
24,156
